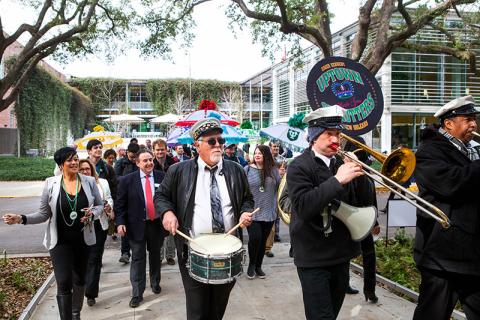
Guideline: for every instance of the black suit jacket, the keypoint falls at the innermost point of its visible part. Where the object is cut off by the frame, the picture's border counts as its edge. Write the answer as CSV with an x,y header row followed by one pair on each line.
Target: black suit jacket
x,y
130,204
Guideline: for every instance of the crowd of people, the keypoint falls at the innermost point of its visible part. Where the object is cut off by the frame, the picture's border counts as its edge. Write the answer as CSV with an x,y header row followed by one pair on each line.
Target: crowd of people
x,y
148,194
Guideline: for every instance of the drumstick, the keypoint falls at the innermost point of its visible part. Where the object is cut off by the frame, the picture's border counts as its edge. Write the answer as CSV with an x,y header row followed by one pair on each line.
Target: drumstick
x,y
238,224
190,239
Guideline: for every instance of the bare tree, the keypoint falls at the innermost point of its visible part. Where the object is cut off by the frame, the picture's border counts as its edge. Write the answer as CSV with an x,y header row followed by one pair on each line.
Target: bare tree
x,y
233,103
180,104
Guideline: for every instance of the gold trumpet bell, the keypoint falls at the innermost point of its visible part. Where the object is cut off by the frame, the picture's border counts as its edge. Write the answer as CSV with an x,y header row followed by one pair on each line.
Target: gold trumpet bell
x,y
399,165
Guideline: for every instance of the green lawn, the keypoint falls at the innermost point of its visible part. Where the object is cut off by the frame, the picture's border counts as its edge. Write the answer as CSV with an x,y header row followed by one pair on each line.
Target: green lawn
x,y
25,169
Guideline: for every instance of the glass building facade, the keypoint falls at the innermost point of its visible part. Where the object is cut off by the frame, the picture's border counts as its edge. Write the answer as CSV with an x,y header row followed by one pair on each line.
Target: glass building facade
x,y
257,99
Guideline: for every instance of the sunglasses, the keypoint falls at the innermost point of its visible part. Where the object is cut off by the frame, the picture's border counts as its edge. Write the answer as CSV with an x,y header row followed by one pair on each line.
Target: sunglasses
x,y
213,141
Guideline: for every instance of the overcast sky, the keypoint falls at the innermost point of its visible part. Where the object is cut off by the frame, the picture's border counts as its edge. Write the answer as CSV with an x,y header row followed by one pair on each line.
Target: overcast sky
x,y
215,54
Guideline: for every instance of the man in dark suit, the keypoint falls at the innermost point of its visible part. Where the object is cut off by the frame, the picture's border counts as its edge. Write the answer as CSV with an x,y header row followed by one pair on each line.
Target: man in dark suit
x,y
136,217
204,195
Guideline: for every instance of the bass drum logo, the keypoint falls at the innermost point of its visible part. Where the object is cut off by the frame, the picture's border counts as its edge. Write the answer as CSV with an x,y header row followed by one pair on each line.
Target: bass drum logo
x,y
347,83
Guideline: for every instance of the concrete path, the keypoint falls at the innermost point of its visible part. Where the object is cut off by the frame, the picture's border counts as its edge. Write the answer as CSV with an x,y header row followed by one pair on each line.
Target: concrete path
x,y
278,297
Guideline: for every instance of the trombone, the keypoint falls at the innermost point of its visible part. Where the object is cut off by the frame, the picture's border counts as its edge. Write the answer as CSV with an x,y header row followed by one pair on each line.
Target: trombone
x,y
396,168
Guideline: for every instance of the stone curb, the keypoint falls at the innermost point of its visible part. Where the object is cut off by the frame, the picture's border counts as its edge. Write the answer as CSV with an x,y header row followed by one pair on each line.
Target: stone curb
x,y
28,311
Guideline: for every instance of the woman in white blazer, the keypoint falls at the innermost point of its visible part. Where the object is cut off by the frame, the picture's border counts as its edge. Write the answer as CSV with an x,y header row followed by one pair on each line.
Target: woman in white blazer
x,y
69,202
95,253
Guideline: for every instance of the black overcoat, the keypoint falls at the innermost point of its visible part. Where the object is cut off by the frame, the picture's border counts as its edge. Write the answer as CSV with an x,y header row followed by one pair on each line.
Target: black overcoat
x,y
451,181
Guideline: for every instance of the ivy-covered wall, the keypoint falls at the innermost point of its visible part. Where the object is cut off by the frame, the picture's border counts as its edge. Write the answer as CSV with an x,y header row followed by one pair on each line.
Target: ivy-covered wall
x,y
162,93
48,111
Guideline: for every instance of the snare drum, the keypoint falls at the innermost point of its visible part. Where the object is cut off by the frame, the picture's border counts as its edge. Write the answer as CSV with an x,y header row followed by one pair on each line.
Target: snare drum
x,y
215,258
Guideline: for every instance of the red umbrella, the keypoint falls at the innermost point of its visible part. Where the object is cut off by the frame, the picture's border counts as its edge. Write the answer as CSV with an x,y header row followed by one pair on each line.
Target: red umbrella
x,y
207,109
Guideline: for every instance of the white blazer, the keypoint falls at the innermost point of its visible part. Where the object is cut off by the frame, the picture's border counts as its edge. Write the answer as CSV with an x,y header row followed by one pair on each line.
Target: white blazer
x,y
48,206
105,194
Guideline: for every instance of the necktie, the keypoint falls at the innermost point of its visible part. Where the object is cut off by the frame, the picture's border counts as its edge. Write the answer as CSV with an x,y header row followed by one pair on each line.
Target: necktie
x,y
149,198
332,165
216,204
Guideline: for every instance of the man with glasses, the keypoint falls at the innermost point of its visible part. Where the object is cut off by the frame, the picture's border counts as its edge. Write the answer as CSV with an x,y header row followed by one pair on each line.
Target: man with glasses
x,y
219,199
448,175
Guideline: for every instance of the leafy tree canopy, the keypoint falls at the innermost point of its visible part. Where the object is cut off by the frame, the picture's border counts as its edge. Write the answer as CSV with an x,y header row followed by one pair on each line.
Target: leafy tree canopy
x,y
73,28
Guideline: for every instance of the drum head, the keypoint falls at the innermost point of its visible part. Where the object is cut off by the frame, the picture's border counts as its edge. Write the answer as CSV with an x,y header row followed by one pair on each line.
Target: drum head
x,y
216,243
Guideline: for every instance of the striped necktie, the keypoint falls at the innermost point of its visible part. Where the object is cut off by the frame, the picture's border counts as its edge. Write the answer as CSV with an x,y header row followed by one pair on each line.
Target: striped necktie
x,y
215,203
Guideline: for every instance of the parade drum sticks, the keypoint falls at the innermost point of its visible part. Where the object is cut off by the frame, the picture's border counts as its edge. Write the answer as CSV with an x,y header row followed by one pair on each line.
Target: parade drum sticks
x,y
238,224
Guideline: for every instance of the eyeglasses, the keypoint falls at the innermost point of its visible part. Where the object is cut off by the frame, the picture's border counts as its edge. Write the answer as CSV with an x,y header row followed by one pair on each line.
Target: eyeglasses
x,y
84,169
213,141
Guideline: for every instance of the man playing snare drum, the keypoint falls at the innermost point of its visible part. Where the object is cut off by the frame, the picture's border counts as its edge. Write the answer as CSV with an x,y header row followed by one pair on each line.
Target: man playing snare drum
x,y
204,195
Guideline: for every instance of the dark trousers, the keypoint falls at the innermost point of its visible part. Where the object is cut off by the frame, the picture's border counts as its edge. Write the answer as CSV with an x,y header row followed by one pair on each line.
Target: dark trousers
x,y
440,291
125,245
153,241
369,264
323,290
69,260
258,233
204,301
94,266
277,227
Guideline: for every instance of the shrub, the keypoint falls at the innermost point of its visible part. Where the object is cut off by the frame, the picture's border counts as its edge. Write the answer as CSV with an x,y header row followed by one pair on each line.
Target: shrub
x,y
25,169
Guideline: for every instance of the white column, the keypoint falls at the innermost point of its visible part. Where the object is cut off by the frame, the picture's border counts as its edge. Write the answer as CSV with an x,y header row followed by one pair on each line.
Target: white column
x,y
274,96
386,132
261,101
386,84
291,89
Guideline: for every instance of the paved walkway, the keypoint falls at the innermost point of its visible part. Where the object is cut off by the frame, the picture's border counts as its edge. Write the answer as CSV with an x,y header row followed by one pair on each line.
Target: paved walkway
x,y
278,297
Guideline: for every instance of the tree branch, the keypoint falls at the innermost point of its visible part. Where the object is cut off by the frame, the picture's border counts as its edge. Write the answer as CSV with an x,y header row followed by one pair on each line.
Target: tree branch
x,y
308,33
360,41
376,53
6,101
403,11
464,55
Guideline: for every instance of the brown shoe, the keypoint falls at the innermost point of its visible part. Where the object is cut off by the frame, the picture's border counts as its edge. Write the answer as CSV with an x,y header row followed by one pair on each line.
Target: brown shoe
x,y
170,261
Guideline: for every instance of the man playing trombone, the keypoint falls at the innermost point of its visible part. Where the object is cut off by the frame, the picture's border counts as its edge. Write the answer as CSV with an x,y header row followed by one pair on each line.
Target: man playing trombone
x,y
322,244
448,176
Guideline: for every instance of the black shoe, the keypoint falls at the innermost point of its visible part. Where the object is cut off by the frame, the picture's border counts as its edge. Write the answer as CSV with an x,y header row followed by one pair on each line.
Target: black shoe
x,y
259,272
91,302
171,261
251,272
135,302
277,238
350,290
156,289
370,296
125,258
269,254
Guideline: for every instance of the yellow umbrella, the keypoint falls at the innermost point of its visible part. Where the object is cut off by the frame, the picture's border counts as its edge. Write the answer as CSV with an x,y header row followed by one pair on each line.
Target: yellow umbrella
x,y
108,139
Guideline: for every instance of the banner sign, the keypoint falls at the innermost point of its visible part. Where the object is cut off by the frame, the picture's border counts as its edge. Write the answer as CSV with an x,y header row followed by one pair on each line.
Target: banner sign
x,y
347,83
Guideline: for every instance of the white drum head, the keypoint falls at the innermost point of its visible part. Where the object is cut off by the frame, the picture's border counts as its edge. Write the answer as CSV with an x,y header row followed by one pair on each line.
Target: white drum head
x,y
217,243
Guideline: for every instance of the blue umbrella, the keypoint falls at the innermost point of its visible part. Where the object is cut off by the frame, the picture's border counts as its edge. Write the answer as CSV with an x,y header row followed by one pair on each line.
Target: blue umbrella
x,y
172,139
231,134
